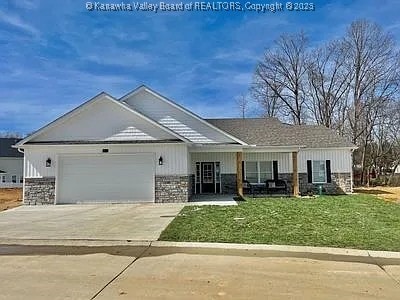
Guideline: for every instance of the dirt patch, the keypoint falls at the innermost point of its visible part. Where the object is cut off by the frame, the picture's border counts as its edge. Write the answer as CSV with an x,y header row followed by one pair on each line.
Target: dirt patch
x,y
391,194
10,198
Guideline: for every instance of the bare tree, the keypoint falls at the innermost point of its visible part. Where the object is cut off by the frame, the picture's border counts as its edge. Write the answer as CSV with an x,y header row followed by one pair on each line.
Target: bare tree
x,y
10,134
266,97
374,62
243,103
329,85
281,75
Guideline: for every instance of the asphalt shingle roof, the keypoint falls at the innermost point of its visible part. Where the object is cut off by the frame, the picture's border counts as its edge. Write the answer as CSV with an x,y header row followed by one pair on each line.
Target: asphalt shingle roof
x,y
6,150
271,132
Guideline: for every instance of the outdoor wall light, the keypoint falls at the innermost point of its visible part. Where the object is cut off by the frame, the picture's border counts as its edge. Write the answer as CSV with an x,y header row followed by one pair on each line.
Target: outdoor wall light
x,y
48,162
160,161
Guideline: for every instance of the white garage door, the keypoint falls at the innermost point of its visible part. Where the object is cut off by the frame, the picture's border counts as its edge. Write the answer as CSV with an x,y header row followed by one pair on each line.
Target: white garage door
x,y
106,178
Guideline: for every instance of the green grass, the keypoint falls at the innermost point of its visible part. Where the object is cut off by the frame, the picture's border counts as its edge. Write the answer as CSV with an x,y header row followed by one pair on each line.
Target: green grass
x,y
356,221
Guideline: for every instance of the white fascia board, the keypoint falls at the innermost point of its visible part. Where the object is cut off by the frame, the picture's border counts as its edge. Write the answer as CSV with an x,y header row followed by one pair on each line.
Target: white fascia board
x,y
332,148
62,118
96,145
292,148
181,108
245,149
216,148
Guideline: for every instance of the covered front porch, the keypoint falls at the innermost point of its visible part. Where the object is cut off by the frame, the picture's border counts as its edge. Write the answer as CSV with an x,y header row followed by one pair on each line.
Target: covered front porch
x,y
224,170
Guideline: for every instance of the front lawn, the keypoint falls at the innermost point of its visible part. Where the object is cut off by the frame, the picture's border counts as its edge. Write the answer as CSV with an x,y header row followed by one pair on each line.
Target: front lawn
x,y
356,221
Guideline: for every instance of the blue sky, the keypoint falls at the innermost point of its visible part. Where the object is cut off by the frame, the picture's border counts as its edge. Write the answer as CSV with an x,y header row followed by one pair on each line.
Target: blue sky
x,y
54,55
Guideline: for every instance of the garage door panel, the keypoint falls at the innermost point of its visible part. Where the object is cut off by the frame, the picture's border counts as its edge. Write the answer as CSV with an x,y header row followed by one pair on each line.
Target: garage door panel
x,y
112,178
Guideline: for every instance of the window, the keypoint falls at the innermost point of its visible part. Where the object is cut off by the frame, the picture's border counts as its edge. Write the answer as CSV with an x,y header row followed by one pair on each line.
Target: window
x,y
318,171
252,171
208,173
265,170
21,179
14,178
3,178
258,171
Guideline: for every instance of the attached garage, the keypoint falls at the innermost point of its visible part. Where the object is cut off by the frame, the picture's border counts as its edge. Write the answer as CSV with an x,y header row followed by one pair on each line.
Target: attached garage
x,y
105,178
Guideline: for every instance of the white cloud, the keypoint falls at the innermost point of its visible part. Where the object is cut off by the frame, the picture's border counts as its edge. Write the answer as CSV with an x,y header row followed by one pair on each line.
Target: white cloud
x,y
16,21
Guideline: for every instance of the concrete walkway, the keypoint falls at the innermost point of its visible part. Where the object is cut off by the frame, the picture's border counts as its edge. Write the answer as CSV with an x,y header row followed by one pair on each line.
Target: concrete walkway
x,y
136,222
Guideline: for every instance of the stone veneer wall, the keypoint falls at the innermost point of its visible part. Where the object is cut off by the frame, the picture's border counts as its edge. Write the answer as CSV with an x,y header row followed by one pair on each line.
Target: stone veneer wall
x,y
39,190
341,184
288,177
172,188
228,184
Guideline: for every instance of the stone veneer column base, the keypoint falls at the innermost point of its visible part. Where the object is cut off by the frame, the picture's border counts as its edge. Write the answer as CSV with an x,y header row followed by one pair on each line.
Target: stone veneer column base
x,y
39,190
288,178
341,184
228,184
172,188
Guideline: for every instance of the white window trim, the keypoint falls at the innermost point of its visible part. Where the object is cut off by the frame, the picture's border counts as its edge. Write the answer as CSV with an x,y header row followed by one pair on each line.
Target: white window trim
x,y
3,175
16,178
258,169
312,172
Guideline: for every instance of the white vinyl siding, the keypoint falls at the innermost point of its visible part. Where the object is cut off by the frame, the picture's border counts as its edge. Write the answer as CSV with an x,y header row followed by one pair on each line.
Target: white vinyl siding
x,y
176,119
284,159
104,120
341,161
319,171
11,166
174,157
227,160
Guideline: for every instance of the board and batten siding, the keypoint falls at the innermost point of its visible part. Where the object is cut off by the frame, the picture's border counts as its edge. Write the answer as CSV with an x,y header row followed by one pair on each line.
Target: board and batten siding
x,y
227,160
174,157
284,159
341,159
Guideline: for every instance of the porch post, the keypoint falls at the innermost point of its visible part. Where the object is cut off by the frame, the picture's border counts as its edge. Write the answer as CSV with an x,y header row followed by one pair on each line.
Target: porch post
x,y
295,175
239,173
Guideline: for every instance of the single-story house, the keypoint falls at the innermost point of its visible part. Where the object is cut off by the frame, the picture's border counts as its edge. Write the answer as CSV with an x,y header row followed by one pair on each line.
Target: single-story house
x,y
145,147
11,164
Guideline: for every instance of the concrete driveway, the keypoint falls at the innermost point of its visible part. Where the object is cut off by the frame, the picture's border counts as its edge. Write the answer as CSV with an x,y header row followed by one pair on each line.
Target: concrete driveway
x,y
136,222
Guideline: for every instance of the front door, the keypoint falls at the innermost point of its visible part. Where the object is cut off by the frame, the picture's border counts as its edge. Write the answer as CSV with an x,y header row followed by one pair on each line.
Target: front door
x,y
207,177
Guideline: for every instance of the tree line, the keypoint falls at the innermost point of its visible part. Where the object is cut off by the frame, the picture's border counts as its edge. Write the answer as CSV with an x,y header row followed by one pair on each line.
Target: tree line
x,y
350,84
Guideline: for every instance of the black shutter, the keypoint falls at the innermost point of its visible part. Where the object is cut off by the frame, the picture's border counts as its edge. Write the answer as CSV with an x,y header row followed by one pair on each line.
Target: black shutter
x,y
328,171
275,169
242,170
309,171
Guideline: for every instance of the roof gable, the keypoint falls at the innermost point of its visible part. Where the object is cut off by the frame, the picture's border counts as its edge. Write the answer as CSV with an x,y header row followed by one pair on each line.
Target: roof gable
x,y
102,119
6,149
175,117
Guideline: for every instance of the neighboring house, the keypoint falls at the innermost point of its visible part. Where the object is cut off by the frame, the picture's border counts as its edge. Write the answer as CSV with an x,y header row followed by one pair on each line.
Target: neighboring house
x,y
397,171
11,164
144,147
